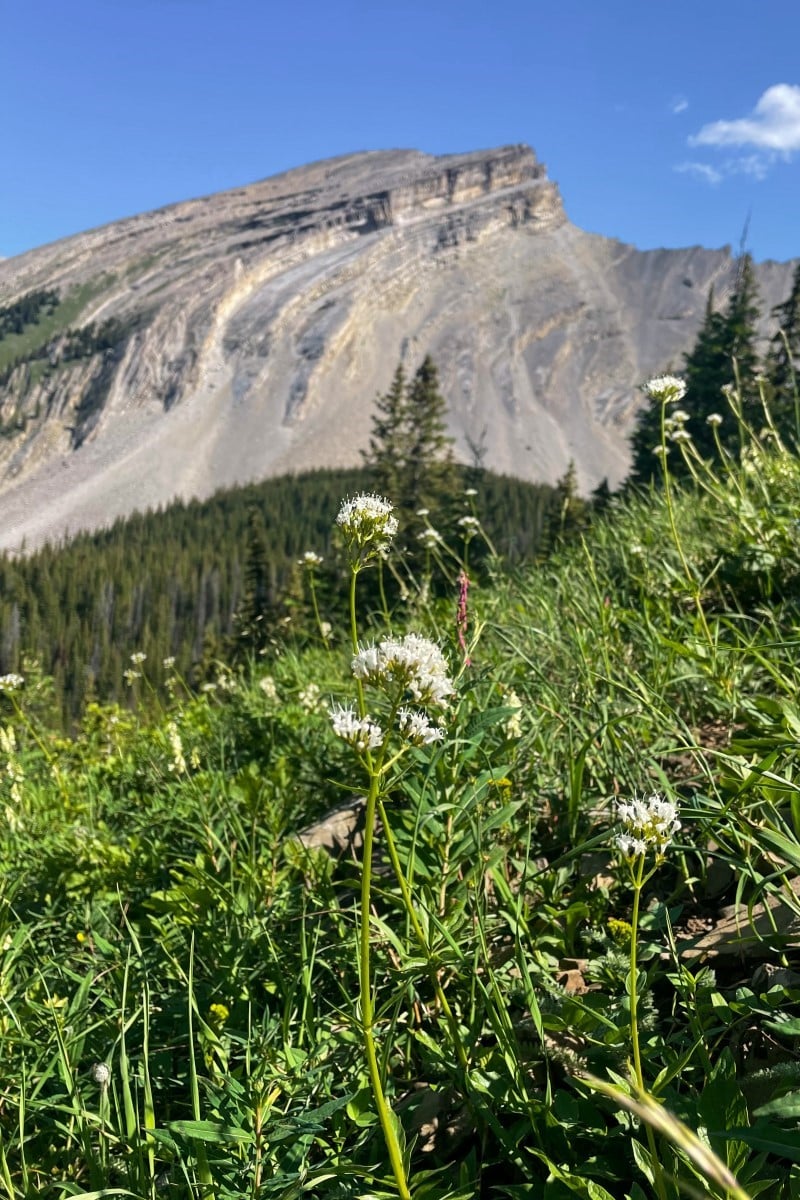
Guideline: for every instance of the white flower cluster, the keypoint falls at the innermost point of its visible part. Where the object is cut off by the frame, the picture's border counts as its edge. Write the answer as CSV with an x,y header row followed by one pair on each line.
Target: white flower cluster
x,y
714,419
367,521
310,560
666,389
412,662
417,728
10,683
648,823
470,525
430,538
138,657
178,763
361,732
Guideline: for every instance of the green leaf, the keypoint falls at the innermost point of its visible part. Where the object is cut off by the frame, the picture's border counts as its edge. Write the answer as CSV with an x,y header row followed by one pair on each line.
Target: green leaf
x,y
211,1131
763,1136
786,1107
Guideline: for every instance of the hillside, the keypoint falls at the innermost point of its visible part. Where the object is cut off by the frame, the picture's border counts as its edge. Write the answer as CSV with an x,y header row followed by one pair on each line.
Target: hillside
x,y
246,334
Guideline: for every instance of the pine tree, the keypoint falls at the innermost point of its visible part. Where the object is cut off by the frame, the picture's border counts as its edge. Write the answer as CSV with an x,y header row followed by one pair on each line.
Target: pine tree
x,y
410,452
783,360
725,353
388,444
428,476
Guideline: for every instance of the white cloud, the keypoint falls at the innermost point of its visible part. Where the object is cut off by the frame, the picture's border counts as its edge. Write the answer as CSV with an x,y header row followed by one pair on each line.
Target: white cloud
x,y
774,124
678,104
700,171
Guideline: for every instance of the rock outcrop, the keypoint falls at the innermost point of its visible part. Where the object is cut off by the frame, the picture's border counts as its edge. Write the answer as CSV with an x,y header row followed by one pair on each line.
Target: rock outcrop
x,y
246,334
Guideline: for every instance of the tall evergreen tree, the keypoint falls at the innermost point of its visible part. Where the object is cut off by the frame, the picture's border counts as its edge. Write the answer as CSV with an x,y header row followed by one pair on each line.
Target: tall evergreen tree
x,y
725,351
783,359
410,452
388,444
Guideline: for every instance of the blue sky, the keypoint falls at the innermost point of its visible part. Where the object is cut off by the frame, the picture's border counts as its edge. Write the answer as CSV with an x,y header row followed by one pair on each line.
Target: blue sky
x,y
666,122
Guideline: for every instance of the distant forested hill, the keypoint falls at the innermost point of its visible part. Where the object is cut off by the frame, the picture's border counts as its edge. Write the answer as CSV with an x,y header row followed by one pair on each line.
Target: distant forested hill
x,y
170,583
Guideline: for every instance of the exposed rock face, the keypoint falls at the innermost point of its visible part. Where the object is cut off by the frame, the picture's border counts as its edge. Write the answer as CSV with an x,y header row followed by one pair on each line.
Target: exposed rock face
x,y
253,329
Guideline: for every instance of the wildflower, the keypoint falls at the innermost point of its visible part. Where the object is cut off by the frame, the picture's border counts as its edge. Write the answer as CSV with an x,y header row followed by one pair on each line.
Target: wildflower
x,y
11,683
310,560
169,662
309,697
326,629
470,491
208,687
666,389
138,657
360,732
661,451
412,662
219,1013
178,764
267,685
648,824
417,728
367,523
129,675
714,419
680,416
513,725
728,391
100,1074
423,512
681,435
470,525
430,538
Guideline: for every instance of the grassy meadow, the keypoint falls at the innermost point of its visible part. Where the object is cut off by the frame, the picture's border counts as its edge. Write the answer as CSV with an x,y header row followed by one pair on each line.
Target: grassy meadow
x,y
506,979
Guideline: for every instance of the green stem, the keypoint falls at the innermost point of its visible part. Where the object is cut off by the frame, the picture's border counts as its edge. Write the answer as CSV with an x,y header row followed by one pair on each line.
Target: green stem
x,y
655,1162
365,989
313,589
674,528
422,940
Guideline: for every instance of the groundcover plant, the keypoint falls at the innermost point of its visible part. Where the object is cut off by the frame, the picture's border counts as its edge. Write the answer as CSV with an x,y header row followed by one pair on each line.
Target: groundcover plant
x,y
491,891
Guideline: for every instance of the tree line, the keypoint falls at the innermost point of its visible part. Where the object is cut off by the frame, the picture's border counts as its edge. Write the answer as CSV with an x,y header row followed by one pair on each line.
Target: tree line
x,y
726,354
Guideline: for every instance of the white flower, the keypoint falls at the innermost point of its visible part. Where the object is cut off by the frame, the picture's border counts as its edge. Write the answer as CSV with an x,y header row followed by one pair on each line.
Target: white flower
x,y
648,823
360,732
169,662
714,419
10,683
423,512
308,697
412,662
178,764
310,559
130,675
469,523
666,389
470,491
417,728
514,722
367,523
138,657
681,435
267,685
680,416
100,1074
430,538
660,451
326,629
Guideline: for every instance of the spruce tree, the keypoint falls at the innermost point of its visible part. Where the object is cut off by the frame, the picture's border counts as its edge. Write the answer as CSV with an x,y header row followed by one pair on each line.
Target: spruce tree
x,y
428,475
783,361
725,352
388,445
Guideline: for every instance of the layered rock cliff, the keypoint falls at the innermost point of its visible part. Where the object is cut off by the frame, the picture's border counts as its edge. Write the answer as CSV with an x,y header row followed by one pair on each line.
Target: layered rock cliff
x,y
246,334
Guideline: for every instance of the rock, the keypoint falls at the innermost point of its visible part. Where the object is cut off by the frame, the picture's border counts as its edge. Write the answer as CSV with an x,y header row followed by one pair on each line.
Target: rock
x,y
256,327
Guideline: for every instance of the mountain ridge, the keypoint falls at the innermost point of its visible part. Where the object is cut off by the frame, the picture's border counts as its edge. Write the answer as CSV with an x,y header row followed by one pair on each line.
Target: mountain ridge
x,y
245,334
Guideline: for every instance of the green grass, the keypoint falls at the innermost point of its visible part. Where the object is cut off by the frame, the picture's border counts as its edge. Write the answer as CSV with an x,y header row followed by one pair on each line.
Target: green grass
x,y
160,917
35,337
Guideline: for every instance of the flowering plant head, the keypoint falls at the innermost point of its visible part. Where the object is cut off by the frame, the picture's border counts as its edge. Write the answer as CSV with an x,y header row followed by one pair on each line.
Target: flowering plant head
x,y
665,389
311,560
648,823
367,525
362,733
411,663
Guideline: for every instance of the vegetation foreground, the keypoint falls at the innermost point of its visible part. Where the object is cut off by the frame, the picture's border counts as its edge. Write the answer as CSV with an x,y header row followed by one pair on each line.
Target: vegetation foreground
x,y
552,948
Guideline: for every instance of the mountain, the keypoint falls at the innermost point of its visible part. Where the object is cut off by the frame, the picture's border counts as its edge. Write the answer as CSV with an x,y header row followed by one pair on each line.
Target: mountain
x,y
246,334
